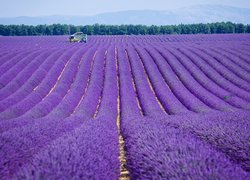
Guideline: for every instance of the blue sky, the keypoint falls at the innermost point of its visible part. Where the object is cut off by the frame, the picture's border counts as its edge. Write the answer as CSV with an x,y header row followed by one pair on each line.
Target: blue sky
x,y
13,8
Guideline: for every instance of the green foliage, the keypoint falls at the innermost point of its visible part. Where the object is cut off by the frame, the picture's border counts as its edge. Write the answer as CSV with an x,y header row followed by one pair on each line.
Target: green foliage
x,y
248,29
240,28
97,29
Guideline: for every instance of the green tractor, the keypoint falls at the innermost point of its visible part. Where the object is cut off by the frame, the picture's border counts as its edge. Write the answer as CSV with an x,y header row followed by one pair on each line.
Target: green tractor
x,y
78,37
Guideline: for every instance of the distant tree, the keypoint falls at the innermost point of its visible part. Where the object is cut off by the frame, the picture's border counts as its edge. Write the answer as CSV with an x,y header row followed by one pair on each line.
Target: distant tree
x,y
240,28
49,30
24,30
136,30
194,28
221,28
162,30
185,29
31,31
204,28
56,29
108,30
176,29
3,30
89,30
248,28
73,29
122,29
230,27
153,30
40,29
96,29
213,28
169,29
142,29
130,29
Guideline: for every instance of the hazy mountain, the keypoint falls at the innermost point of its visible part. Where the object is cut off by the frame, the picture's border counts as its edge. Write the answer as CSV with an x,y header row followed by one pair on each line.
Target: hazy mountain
x,y
193,14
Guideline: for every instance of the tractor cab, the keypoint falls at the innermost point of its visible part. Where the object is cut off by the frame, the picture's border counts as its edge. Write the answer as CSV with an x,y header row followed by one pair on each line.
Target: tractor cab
x,y
71,38
78,37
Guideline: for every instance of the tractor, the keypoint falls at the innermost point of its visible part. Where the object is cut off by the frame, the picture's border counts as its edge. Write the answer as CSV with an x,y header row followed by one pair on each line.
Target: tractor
x,y
78,37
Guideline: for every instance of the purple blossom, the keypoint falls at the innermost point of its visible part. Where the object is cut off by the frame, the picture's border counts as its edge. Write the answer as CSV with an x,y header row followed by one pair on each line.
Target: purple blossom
x,y
148,107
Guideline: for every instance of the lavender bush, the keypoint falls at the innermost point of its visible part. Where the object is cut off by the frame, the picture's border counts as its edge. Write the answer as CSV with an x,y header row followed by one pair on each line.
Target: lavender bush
x,y
139,107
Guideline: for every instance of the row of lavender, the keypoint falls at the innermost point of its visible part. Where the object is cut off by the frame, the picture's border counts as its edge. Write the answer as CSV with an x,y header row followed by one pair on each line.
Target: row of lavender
x,y
59,107
180,79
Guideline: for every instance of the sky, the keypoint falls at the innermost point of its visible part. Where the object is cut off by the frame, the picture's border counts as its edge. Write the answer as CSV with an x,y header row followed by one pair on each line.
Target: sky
x,y
15,8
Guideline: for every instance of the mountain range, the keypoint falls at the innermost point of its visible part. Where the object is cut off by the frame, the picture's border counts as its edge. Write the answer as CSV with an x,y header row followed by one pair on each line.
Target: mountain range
x,y
187,15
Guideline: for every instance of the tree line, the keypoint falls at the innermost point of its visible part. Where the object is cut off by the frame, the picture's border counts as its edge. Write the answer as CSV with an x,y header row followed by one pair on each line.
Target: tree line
x,y
101,29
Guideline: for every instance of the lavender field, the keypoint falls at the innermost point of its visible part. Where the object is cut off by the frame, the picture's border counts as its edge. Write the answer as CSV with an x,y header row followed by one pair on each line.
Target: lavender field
x,y
138,107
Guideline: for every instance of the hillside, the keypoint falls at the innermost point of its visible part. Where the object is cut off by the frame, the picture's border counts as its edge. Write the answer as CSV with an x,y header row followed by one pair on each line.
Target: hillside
x,y
193,14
